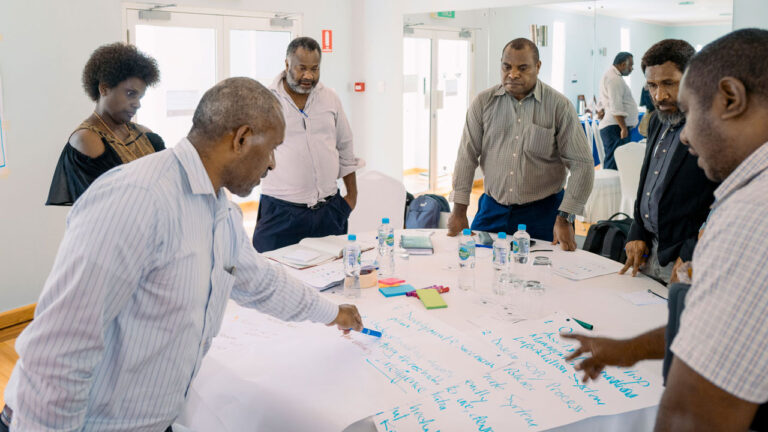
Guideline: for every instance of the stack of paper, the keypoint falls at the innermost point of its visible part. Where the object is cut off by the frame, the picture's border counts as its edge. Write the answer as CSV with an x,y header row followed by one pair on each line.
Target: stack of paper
x,y
417,244
321,277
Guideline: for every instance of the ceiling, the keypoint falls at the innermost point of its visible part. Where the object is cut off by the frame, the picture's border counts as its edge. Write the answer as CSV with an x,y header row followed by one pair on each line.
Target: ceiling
x,y
666,12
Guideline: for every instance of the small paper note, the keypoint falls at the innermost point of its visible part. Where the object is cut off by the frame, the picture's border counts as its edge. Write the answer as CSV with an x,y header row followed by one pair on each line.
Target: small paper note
x,y
642,298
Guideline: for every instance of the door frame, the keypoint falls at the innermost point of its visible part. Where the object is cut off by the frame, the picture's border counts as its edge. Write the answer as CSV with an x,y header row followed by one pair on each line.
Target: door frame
x,y
434,34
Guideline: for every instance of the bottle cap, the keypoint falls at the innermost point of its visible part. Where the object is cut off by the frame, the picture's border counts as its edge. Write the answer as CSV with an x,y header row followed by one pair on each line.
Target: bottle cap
x,y
351,237
521,227
385,220
502,235
466,231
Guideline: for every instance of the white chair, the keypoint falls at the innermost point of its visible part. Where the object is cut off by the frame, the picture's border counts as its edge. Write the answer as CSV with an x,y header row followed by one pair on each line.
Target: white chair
x,y
629,160
605,198
588,131
598,140
378,196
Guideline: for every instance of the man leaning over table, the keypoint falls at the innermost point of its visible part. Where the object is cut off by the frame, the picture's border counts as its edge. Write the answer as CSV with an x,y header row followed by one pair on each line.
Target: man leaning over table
x,y
719,370
525,136
674,195
300,198
152,252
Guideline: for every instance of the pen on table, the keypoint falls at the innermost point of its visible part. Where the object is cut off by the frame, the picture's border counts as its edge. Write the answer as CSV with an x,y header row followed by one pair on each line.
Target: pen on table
x,y
484,246
541,250
657,295
584,324
370,332
441,289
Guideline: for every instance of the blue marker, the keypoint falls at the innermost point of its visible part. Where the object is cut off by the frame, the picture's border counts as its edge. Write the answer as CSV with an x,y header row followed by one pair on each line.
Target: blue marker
x,y
371,332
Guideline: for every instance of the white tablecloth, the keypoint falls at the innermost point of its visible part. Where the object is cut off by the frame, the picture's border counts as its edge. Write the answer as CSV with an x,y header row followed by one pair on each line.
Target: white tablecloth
x,y
605,199
233,388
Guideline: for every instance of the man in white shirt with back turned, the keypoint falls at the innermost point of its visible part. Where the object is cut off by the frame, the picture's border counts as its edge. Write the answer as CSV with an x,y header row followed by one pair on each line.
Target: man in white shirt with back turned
x,y
620,108
301,198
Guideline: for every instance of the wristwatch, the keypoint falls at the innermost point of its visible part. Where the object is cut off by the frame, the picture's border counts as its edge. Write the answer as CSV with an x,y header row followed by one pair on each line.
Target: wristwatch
x,y
567,216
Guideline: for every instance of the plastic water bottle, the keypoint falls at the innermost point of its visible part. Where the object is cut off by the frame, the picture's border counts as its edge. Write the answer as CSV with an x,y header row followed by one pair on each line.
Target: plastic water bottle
x,y
466,260
521,245
501,257
352,267
386,255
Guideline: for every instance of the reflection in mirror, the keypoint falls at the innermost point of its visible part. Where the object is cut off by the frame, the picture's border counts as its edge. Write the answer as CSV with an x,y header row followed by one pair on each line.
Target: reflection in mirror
x,y
577,42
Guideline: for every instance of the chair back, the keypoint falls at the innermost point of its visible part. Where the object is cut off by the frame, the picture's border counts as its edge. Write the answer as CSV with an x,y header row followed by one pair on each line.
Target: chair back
x,y
378,196
629,161
598,140
589,133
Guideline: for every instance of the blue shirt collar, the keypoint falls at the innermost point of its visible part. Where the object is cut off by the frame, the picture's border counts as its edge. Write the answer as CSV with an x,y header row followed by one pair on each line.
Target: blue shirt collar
x,y
192,165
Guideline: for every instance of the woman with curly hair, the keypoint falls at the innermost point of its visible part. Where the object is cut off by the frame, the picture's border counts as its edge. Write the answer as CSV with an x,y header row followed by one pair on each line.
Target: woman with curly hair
x,y
115,77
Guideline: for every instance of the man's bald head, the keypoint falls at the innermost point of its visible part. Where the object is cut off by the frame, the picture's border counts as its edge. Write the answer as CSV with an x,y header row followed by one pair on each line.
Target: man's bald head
x,y
235,102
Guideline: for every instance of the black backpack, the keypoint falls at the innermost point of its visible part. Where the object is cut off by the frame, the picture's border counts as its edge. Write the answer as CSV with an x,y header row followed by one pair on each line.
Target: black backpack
x,y
608,237
424,211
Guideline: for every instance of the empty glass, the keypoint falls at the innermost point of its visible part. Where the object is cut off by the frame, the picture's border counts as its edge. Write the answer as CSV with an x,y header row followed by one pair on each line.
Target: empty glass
x,y
541,270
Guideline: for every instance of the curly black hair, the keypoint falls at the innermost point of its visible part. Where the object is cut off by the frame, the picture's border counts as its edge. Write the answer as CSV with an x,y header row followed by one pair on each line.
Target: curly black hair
x,y
114,63
676,51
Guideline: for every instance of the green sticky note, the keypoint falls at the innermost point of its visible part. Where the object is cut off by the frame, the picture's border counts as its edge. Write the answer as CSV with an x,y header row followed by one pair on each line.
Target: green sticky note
x,y
431,298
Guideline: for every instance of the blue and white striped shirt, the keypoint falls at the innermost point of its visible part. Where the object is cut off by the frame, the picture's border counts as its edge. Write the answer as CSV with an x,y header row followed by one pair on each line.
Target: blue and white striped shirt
x,y
138,290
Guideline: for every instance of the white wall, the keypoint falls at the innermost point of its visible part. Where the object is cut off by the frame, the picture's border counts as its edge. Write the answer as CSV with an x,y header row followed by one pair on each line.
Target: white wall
x,y
43,49
697,35
750,13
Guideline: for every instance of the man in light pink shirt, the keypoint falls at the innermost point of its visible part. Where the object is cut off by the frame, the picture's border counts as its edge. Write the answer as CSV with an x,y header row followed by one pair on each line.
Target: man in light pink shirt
x,y
301,198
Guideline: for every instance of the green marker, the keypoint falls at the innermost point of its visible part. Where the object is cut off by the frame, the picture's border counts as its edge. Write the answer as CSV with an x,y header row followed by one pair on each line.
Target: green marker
x,y
584,324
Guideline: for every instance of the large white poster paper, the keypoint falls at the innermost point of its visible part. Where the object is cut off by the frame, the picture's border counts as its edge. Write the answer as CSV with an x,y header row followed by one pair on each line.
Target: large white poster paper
x,y
536,390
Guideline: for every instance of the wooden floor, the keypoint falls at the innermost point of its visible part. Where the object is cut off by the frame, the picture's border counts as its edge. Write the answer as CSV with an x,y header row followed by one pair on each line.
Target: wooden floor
x,y
8,359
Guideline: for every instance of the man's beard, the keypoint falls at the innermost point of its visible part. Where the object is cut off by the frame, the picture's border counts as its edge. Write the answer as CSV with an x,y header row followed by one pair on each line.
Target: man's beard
x,y
671,118
296,86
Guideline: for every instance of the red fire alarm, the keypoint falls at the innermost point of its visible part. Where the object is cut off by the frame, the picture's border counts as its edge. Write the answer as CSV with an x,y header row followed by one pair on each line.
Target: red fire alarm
x,y
359,86
327,41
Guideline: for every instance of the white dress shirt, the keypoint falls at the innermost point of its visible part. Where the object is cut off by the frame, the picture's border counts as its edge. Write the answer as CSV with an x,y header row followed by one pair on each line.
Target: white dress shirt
x,y
616,98
317,149
723,332
138,290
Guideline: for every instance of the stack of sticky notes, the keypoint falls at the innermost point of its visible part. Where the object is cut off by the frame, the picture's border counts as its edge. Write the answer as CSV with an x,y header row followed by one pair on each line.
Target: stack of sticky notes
x,y
431,298
390,282
391,287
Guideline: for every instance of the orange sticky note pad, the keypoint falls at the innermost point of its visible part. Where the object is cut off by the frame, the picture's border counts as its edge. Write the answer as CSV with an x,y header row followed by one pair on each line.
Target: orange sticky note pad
x,y
391,281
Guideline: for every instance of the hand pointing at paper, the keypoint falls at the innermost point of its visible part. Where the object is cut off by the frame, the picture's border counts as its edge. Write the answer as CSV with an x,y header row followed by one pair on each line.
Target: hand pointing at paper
x,y
348,319
615,352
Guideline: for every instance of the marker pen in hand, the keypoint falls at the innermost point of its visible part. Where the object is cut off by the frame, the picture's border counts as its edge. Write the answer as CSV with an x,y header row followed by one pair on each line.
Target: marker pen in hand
x,y
369,332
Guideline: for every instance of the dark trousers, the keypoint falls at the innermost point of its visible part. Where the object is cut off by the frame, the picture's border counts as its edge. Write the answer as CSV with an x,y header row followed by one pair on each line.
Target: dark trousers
x,y
280,223
611,136
538,216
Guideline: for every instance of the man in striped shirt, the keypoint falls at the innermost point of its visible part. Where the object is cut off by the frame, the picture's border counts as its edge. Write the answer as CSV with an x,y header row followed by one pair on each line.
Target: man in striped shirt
x,y
152,252
526,137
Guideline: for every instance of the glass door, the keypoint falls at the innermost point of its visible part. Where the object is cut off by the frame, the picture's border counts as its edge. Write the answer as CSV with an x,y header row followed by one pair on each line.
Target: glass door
x,y
167,108
436,69
195,50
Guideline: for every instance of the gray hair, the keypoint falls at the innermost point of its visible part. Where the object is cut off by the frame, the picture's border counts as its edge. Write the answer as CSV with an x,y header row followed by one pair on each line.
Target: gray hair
x,y
305,42
235,102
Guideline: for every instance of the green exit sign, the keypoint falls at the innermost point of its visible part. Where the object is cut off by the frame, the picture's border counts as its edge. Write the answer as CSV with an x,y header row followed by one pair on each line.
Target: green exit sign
x,y
446,14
